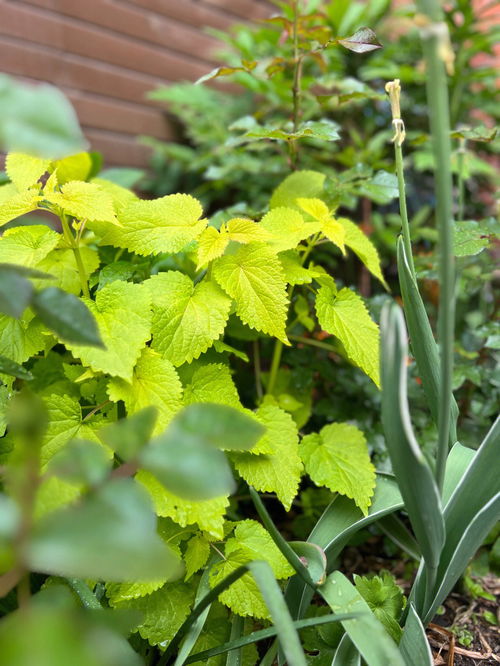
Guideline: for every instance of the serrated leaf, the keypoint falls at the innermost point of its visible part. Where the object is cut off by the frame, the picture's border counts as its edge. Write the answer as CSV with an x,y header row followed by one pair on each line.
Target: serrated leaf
x,y
242,230
25,170
344,315
187,319
212,383
161,225
123,315
469,238
330,227
67,316
61,263
27,245
154,382
361,245
362,41
22,338
287,228
250,542
337,457
254,278
163,611
84,201
385,599
120,196
207,514
13,203
211,244
307,184
196,555
64,422
73,167
295,273
118,593
279,471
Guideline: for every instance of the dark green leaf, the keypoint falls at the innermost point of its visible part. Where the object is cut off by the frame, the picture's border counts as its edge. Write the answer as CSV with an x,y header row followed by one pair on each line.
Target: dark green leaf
x,y
8,367
382,188
422,340
184,458
124,176
414,645
469,238
397,531
109,535
128,436
415,478
16,292
221,426
67,316
81,462
362,41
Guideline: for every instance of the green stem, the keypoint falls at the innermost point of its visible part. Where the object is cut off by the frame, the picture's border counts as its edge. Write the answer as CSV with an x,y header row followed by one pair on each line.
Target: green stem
x,y
403,211
312,342
461,179
85,594
437,96
257,370
73,243
296,90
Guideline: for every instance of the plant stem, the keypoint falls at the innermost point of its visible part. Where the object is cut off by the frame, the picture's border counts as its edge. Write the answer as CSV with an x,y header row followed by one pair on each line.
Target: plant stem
x,y
257,371
85,594
461,179
73,243
312,342
296,88
436,50
403,211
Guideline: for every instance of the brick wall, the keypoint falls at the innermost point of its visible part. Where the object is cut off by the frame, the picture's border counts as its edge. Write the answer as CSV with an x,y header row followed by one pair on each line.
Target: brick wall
x,y
106,54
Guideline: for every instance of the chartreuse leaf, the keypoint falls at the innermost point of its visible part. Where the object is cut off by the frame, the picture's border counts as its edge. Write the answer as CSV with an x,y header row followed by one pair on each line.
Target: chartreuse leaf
x,y
27,245
196,555
128,436
14,203
163,611
22,338
212,383
361,245
207,514
160,225
73,167
253,276
385,599
280,470
338,458
187,319
250,542
330,227
187,463
154,382
61,263
344,315
295,273
242,230
123,315
25,170
415,478
120,196
211,244
92,538
308,184
67,316
85,201
287,228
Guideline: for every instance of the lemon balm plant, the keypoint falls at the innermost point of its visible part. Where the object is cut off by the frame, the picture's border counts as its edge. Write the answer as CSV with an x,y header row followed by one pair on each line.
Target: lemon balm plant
x,y
126,313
